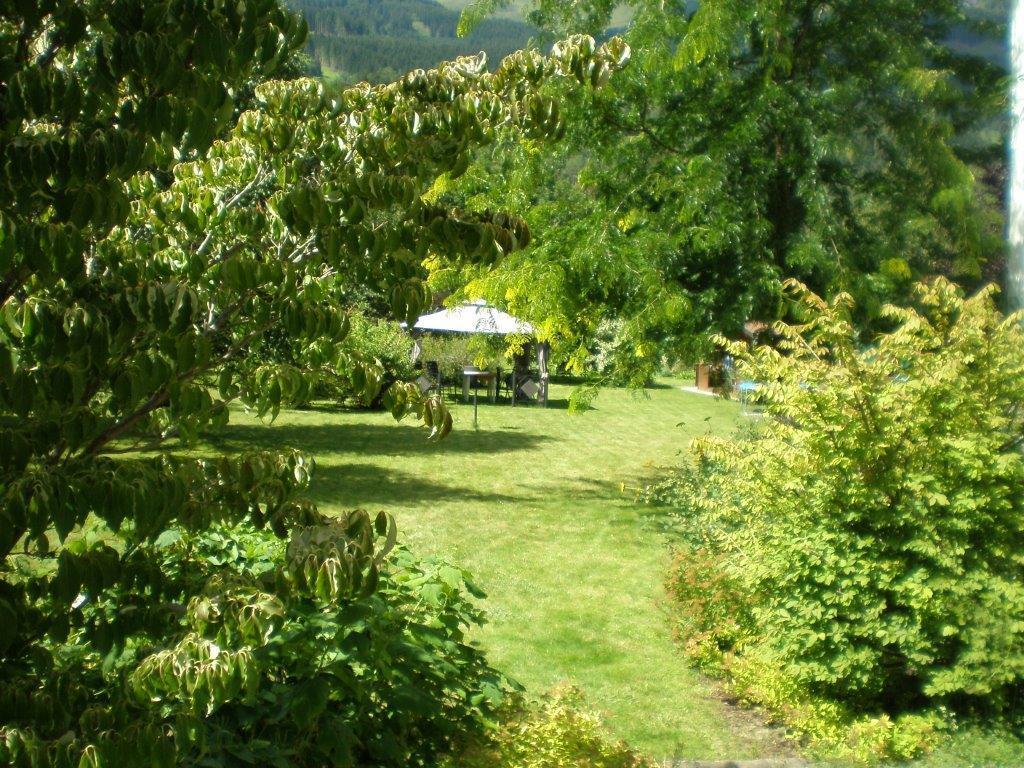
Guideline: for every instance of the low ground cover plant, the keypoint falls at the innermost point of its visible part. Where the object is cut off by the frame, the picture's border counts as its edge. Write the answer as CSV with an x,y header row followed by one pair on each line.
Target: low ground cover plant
x,y
559,731
854,561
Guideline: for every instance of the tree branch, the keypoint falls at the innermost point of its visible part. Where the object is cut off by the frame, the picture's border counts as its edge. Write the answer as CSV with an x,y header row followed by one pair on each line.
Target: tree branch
x,y
258,179
12,281
157,400
642,128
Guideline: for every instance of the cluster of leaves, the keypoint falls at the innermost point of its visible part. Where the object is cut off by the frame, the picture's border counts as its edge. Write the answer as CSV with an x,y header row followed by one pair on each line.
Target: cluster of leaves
x,y
715,624
150,238
552,16
712,609
862,544
382,347
829,729
753,141
309,660
559,732
612,354
384,341
451,352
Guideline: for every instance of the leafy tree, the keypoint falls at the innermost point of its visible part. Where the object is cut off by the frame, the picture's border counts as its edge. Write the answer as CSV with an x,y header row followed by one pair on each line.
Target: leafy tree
x,y
752,141
142,263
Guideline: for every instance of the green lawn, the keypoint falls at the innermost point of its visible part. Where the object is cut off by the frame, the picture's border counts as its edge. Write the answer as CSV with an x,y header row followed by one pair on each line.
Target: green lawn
x,y
531,504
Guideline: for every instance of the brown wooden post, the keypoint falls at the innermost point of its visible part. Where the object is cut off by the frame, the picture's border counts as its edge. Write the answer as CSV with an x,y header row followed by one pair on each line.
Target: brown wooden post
x,y
702,376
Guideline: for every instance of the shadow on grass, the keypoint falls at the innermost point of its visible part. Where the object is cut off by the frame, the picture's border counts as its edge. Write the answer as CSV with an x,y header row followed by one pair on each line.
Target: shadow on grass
x,y
371,486
597,489
562,404
629,508
372,440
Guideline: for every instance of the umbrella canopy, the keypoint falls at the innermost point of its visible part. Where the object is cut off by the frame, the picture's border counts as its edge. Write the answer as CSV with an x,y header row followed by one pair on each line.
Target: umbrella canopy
x,y
476,317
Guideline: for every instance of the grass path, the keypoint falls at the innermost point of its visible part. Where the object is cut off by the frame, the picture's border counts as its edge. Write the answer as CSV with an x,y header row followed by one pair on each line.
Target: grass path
x,y
531,504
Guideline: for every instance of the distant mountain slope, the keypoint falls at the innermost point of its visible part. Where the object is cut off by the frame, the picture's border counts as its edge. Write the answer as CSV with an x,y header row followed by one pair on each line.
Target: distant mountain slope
x,y
378,40
987,35
992,47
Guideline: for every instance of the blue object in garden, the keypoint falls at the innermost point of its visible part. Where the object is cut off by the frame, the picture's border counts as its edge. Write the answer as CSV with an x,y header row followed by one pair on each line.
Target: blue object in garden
x,y
746,388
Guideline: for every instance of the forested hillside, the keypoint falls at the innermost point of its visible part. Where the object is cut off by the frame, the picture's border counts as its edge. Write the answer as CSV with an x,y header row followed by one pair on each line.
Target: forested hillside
x,y
378,40
985,34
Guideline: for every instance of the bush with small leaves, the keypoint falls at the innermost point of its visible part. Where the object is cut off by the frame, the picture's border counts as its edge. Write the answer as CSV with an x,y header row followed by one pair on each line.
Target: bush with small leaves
x,y
712,611
866,533
375,347
557,732
451,352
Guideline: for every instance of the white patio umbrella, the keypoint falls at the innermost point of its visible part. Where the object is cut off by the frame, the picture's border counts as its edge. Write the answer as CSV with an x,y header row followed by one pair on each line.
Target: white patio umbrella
x,y
475,317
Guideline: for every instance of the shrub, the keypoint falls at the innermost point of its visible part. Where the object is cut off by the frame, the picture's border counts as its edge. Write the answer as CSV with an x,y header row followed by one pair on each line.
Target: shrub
x,y
151,236
299,664
378,343
451,353
613,355
383,340
559,732
831,730
376,352
873,521
713,611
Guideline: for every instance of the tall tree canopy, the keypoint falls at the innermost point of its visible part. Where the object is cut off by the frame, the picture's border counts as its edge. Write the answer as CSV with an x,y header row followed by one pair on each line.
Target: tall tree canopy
x,y
751,141
149,237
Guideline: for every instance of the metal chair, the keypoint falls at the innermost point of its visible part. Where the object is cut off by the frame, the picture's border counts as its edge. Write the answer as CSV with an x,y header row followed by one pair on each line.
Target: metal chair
x,y
529,389
430,378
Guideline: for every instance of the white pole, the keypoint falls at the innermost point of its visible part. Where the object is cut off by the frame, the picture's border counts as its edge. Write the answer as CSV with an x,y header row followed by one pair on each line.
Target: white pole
x,y
1015,219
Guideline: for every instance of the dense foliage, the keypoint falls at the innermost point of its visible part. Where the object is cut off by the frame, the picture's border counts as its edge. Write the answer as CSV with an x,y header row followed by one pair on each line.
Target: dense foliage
x,y
150,239
453,352
379,40
383,341
305,668
862,544
753,141
377,350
